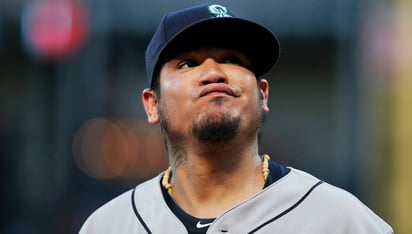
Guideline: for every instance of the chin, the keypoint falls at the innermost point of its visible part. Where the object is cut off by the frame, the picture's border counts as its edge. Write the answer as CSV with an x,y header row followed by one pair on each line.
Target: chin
x,y
214,128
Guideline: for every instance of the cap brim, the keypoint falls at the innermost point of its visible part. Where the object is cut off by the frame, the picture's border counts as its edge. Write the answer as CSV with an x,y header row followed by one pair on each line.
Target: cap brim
x,y
256,41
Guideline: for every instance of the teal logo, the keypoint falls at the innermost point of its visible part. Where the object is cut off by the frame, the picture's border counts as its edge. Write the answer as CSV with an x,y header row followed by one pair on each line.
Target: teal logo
x,y
218,11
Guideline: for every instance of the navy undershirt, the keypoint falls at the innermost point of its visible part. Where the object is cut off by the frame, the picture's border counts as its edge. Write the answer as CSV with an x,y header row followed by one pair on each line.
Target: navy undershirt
x,y
277,171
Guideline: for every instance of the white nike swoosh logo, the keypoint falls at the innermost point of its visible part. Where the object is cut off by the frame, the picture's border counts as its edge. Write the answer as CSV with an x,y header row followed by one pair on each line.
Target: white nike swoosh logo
x,y
202,225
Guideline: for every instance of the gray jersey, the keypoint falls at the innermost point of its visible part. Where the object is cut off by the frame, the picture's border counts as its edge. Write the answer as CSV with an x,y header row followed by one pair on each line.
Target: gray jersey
x,y
296,203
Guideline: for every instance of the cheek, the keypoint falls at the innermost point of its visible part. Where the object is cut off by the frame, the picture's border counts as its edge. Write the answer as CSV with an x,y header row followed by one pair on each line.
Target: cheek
x,y
253,95
248,85
171,91
243,77
173,101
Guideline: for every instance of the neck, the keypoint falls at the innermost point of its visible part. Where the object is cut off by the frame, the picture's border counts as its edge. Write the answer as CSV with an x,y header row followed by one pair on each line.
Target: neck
x,y
204,187
210,156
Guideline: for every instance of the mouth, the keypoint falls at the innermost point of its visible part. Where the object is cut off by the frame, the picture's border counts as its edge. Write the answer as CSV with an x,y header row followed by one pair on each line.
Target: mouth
x,y
219,89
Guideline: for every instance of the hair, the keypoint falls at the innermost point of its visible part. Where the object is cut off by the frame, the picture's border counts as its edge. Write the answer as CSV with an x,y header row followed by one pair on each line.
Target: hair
x,y
155,86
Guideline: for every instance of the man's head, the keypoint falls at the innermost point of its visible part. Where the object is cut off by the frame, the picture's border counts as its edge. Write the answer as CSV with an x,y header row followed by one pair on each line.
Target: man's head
x,y
214,25
206,62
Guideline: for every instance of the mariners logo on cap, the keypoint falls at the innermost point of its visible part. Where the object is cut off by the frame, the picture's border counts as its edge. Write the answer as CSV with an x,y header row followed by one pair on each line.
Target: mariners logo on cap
x,y
218,11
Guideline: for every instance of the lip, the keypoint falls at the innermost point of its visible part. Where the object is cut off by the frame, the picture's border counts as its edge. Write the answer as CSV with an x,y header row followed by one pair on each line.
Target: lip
x,y
218,88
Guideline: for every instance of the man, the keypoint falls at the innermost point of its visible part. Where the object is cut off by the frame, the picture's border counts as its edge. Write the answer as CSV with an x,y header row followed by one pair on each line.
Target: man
x,y
204,66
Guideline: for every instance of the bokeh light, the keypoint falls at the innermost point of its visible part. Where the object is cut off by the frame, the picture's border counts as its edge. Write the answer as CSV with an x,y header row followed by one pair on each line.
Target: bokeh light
x,y
54,29
108,149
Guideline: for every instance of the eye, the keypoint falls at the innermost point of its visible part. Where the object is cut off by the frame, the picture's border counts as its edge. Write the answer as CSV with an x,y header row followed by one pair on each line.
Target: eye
x,y
187,63
239,59
234,59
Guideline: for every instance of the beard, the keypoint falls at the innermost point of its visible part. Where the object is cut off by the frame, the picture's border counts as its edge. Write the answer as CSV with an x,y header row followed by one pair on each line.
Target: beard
x,y
214,130
211,129
206,129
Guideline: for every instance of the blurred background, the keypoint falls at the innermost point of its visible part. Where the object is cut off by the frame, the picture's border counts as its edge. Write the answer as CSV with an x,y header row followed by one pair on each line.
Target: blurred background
x,y
73,132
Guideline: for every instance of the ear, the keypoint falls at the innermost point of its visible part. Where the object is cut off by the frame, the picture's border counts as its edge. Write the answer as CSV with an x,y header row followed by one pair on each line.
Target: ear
x,y
150,103
264,91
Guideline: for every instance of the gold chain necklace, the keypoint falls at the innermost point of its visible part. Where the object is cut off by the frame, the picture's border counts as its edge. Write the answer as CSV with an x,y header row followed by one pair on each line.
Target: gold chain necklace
x,y
166,177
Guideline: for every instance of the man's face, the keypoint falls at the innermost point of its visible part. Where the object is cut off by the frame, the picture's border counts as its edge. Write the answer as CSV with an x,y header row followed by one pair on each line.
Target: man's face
x,y
210,94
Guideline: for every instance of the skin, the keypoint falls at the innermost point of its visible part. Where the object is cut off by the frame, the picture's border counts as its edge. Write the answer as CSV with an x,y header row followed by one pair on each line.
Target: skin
x,y
210,85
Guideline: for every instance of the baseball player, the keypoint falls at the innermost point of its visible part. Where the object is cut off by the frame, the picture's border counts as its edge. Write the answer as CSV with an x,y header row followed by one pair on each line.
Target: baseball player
x,y
205,67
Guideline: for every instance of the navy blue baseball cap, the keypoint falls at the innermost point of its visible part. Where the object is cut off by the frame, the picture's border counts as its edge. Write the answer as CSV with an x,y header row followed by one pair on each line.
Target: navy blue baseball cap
x,y
197,26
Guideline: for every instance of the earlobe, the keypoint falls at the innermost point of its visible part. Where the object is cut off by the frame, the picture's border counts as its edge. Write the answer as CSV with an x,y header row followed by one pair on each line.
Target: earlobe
x,y
150,102
264,91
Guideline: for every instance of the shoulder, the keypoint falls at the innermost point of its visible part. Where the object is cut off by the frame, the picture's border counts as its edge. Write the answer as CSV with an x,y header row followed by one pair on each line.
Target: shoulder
x,y
325,193
117,215
340,207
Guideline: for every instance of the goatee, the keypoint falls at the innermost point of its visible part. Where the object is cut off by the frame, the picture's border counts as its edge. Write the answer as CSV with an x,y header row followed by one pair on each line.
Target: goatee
x,y
214,130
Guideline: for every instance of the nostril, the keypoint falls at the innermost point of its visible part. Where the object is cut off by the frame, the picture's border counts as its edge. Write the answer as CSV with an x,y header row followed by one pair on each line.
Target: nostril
x,y
221,80
206,82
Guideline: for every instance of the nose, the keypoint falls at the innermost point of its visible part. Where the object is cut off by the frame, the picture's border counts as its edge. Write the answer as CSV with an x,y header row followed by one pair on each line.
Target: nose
x,y
211,72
